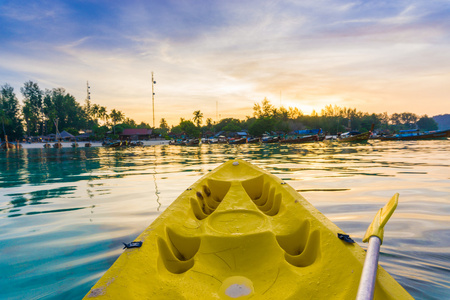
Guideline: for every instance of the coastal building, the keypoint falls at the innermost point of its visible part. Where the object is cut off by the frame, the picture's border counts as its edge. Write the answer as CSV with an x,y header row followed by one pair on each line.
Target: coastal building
x,y
136,134
64,135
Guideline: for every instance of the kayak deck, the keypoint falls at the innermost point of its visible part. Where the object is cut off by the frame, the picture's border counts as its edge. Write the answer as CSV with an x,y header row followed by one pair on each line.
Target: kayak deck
x,y
240,233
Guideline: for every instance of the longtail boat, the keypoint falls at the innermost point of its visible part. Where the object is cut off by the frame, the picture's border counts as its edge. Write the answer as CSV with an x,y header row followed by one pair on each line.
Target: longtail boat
x,y
237,141
254,140
301,140
416,135
354,136
191,142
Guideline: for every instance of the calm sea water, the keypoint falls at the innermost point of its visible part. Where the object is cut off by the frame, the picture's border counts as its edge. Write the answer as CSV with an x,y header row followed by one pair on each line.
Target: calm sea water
x,y
64,213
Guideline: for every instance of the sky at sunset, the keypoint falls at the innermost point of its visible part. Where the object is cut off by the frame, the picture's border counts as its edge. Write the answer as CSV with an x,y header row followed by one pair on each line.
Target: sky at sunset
x,y
221,57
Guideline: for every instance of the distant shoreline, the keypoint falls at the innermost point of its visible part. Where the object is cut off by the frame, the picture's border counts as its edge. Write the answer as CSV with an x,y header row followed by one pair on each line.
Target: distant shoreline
x,y
81,144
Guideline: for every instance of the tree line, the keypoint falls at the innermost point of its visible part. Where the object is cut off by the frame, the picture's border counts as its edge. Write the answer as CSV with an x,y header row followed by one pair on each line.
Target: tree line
x,y
45,111
271,120
42,110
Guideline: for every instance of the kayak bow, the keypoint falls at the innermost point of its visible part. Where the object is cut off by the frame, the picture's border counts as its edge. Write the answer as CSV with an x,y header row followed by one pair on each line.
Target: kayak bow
x,y
240,233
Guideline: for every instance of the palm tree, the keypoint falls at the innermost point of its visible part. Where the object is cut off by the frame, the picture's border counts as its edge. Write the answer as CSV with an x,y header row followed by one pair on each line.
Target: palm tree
x,y
116,116
102,114
164,126
209,123
94,112
198,116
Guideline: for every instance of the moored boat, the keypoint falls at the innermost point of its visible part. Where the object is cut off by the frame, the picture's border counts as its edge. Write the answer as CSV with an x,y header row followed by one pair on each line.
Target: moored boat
x,y
209,141
222,140
7,145
176,142
219,140
301,140
254,140
237,141
354,136
136,144
240,233
270,139
191,142
414,135
113,144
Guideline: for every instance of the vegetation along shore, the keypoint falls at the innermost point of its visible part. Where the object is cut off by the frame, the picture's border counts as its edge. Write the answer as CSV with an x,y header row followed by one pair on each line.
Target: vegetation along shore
x,y
42,113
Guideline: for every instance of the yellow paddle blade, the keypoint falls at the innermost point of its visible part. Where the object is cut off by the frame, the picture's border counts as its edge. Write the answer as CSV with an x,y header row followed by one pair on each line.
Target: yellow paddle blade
x,y
383,215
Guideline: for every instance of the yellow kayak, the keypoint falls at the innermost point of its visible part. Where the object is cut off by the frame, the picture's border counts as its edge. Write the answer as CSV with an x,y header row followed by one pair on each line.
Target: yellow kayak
x,y
240,233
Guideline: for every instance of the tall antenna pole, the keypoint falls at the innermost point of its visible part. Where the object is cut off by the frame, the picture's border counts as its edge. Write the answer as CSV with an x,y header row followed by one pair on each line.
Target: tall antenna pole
x,y
88,91
153,100
88,100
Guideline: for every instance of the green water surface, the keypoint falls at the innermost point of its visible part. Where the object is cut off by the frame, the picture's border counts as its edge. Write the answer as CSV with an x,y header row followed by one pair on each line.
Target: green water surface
x,y
64,213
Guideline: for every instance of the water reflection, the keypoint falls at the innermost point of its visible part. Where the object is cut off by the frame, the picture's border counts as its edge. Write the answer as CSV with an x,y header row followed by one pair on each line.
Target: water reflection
x,y
154,179
65,212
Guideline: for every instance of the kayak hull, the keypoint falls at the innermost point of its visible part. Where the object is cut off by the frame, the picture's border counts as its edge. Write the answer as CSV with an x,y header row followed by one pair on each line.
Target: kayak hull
x,y
240,233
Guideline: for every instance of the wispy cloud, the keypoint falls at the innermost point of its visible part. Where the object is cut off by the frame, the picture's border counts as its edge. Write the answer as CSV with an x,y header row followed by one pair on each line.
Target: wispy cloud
x,y
311,53
30,12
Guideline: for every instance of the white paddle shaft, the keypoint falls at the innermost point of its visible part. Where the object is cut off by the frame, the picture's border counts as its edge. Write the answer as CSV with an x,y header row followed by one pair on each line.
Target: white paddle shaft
x,y
369,273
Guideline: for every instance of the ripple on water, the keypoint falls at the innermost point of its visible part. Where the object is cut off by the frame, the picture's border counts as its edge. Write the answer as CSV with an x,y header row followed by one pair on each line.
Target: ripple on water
x,y
65,213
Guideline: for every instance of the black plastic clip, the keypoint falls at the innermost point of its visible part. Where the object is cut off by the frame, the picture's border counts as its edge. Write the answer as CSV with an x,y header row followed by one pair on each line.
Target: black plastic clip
x,y
345,238
132,245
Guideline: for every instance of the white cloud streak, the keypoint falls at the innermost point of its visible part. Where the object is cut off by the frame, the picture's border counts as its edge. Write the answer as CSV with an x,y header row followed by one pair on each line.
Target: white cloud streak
x,y
375,57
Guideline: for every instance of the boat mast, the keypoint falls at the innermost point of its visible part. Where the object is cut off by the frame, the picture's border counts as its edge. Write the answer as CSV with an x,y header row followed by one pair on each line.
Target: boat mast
x,y
153,99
